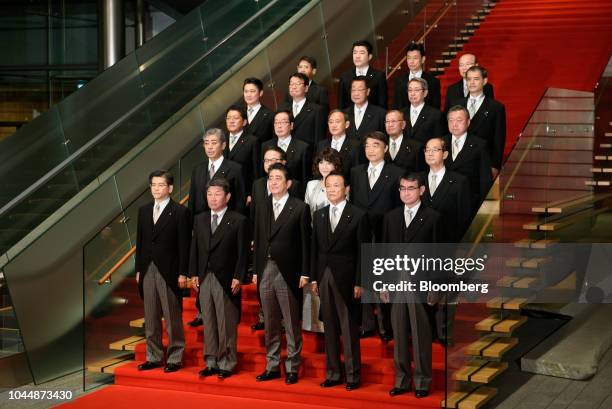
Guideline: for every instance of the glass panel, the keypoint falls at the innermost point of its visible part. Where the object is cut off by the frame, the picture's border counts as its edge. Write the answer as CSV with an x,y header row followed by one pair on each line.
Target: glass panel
x,y
10,335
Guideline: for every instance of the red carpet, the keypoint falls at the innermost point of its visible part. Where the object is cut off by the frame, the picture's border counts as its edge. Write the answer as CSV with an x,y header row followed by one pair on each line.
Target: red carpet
x,y
529,45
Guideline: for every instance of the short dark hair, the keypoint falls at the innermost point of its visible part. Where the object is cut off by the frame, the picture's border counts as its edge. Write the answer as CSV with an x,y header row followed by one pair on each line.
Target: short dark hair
x,y
456,108
361,78
442,142
335,111
238,108
329,155
285,111
255,81
310,60
275,148
162,173
412,176
414,46
219,182
379,136
478,68
301,76
363,43
283,168
336,173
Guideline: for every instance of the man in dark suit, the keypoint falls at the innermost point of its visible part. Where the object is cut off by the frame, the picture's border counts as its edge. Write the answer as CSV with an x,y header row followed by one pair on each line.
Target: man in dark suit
x,y
350,149
365,117
362,54
299,157
469,155
216,166
415,60
218,264
309,119
316,93
282,261
487,117
459,90
403,152
162,260
338,231
242,147
374,189
260,117
422,121
411,223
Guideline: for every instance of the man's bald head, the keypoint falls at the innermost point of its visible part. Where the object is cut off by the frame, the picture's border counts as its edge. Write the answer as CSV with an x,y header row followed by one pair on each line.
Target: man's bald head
x,y
466,61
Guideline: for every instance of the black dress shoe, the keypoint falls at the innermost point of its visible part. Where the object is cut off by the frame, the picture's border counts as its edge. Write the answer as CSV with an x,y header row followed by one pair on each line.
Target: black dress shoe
x,y
196,322
149,365
328,383
258,326
208,371
421,393
172,367
267,376
291,378
386,337
351,386
224,374
366,334
398,391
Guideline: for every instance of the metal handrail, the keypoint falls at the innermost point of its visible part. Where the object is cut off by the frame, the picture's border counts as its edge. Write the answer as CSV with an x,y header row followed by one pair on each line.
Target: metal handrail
x,y
421,37
90,144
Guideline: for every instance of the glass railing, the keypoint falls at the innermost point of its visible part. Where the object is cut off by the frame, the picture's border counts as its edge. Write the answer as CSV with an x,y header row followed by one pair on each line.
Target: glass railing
x,y
55,156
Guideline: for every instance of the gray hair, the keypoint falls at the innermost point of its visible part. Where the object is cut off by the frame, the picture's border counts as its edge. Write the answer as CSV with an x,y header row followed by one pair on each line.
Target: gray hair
x,y
215,131
420,81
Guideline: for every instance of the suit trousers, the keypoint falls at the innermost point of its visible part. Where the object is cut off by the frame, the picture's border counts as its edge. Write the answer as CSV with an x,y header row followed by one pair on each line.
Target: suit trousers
x,y
338,321
160,301
278,302
220,316
409,317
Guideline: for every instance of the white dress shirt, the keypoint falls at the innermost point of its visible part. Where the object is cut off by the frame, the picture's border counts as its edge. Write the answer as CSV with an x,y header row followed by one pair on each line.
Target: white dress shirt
x,y
415,111
358,117
285,141
254,110
398,143
219,214
457,144
234,138
336,143
416,74
439,175
414,209
479,100
378,168
282,201
362,71
340,206
297,109
162,205
217,163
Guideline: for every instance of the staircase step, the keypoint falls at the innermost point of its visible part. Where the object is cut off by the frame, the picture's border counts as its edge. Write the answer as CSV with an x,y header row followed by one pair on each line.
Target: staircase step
x,y
496,324
491,347
449,53
507,303
535,244
467,31
601,170
522,262
598,183
480,372
127,344
139,323
109,365
517,282
602,157
470,400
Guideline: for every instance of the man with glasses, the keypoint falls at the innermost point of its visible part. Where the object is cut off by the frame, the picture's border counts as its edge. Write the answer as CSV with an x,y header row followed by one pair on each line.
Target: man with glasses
x,y
404,152
317,93
422,121
415,60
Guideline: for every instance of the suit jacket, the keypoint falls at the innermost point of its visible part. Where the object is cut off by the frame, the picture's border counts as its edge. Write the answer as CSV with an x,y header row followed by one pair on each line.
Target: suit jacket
x,y
377,82
427,125
422,229
246,152
165,243
340,251
409,157
452,200
473,163
454,94
401,90
259,194
351,152
285,240
489,123
299,158
316,94
229,170
224,253
373,120
383,197
262,126
309,125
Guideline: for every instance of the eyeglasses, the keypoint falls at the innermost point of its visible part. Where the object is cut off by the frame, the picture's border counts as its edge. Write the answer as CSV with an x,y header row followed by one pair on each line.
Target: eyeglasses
x,y
393,121
433,150
285,122
408,189
272,160
415,89
159,184
296,84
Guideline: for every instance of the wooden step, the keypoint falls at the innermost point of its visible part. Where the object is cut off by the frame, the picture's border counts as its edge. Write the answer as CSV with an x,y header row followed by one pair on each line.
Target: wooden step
x,y
507,303
569,221
491,347
458,46
470,400
473,24
535,244
608,134
449,53
480,372
500,325
517,282
467,31
127,344
597,183
605,145
109,365
443,62
139,323
523,262
557,206
601,170
602,157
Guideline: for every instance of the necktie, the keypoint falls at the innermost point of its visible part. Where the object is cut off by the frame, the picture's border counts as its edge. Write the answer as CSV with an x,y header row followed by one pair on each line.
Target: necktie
x,y
233,139
215,223
282,145
465,89
296,108
372,177
408,217
156,213
433,184
414,116
455,148
358,118
334,218
250,114
472,107
277,206
211,171
393,150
